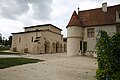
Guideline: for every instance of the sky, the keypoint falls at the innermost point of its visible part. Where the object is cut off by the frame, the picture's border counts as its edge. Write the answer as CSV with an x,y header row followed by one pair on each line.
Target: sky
x,y
16,14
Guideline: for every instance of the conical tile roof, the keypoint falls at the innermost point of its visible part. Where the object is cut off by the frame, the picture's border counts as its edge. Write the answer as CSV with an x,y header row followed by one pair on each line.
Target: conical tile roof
x,y
74,21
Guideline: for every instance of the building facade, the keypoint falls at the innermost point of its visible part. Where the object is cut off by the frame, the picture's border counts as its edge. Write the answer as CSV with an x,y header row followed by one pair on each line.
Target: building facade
x,y
45,38
84,26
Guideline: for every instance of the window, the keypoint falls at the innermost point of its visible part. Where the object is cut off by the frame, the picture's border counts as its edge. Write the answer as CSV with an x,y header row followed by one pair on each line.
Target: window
x,y
37,32
90,32
19,39
118,16
80,45
84,47
32,39
61,37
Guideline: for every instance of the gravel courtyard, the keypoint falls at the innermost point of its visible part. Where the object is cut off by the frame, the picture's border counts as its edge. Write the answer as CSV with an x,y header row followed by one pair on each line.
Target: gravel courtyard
x,y
55,67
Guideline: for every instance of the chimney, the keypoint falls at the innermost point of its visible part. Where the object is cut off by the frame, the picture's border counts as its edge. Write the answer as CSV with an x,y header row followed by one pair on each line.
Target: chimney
x,y
104,7
78,10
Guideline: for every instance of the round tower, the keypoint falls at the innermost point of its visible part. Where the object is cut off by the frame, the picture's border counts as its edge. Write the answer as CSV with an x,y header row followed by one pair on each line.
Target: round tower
x,y
74,35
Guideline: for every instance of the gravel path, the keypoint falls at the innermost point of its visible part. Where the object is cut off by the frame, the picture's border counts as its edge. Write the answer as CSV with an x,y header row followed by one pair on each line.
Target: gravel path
x,y
56,67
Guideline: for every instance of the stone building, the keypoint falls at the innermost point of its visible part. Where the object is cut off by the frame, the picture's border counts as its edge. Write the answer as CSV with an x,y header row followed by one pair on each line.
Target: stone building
x,y
83,27
45,38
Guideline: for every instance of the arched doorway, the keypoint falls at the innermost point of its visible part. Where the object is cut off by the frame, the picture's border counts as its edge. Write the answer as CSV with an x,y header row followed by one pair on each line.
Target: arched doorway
x,y
57,47
64,47
47,46
61,48
54,47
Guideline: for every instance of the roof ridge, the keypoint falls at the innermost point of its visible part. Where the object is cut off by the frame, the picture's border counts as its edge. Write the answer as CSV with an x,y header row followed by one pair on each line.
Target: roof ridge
x,y
99,8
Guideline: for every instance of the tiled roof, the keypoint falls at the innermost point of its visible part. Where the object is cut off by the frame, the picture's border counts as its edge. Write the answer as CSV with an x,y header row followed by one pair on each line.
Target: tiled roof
x,y
96,17
74,21
36,31
43,26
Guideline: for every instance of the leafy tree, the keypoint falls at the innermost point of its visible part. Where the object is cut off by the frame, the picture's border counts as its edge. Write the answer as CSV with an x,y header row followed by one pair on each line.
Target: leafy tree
x,y
108,56
0,40
10,40
5,42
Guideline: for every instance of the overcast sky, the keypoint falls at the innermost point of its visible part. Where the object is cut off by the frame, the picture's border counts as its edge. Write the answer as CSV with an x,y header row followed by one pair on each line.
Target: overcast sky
x,y
16,14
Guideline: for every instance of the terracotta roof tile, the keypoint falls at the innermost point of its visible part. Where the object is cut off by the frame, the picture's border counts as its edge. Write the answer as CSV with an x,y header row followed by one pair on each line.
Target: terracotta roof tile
x,y
43,26
98,17
95,17
74,21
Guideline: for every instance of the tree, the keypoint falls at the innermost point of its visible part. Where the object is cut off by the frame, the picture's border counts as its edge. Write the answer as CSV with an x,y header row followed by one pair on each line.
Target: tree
x,y
108,56
5,42
0,38
10,40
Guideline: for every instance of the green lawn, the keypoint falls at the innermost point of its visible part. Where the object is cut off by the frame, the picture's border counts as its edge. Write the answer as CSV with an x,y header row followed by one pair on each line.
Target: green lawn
x,y
9,53
4,48
9,62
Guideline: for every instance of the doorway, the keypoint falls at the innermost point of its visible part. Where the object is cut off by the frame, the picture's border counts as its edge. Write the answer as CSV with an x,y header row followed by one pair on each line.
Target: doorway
x,y
57,47
47,46
84,47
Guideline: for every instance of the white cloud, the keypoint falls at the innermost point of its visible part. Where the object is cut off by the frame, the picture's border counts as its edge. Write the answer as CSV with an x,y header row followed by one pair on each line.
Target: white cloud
x,y
12,9
10,26
15,14
42,9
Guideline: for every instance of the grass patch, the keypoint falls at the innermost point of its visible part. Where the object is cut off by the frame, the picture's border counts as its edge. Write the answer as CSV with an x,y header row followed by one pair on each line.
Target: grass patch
x,y
10,53
2,48
9,62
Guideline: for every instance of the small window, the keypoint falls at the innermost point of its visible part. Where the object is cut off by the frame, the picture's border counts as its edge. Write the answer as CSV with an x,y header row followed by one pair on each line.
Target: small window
x,y
19,39
90,32
32,39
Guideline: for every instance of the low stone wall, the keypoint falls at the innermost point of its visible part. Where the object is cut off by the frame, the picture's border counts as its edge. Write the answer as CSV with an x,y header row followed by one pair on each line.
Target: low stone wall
x,y
91,53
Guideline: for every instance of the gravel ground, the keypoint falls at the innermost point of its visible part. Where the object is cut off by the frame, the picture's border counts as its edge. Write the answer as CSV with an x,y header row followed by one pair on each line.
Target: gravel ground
x,y
55,67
